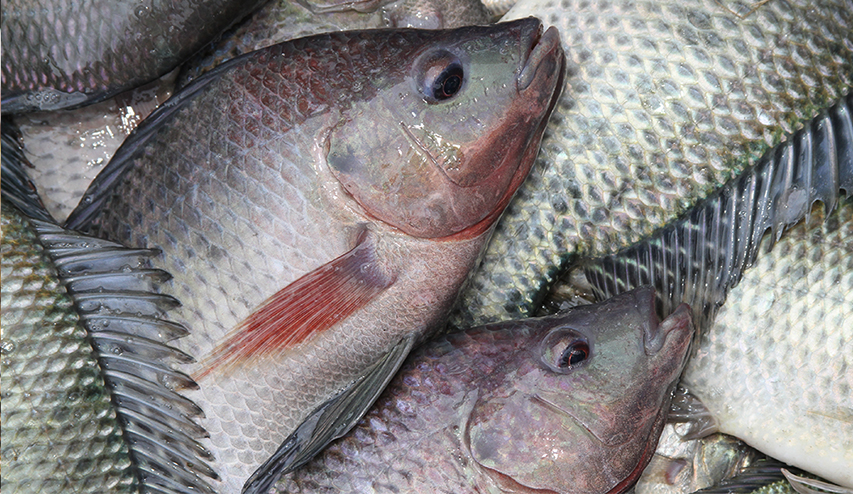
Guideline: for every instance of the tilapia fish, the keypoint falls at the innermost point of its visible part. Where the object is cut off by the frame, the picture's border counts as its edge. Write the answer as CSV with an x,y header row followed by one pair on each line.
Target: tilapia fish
x,y
774,350
88,386
319,204
573,402
64,53
665,101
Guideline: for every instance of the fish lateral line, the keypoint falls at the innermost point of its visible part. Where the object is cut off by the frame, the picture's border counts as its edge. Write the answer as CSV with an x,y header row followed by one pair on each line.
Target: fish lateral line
x,y
313,303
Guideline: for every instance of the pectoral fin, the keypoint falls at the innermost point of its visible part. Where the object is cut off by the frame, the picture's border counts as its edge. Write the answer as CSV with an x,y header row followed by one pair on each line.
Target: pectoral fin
x,y
313,303
329,421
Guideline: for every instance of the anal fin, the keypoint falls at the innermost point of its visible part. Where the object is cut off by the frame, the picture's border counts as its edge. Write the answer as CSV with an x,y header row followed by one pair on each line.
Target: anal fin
x,y
311,304
329,421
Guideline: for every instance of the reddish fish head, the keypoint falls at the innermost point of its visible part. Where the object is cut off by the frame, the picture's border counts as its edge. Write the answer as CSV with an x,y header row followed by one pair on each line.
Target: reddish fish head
x,y
578,405
451,127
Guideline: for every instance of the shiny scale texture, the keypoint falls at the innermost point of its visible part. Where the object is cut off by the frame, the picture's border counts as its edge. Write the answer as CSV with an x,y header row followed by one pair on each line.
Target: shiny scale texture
x,y
61,53
776,367
665,100
60,431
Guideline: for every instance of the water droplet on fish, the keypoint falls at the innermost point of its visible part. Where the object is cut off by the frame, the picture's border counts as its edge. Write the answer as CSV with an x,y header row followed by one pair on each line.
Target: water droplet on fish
x,y
7,347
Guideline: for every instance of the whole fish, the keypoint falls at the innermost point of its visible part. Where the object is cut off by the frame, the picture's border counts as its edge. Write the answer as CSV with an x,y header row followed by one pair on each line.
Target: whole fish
x,y
573,402
88,385
282,20
775,326
64,53
665,101
319,204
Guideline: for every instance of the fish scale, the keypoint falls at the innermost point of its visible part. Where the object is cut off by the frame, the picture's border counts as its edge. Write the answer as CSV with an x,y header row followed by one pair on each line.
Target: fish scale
x,y
665,100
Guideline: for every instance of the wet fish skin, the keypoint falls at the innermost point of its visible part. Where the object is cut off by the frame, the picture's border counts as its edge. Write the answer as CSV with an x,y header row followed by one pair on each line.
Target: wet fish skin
x,y
63,53
486,410
86,372
282,20
664,102
796,305
239,176
792,303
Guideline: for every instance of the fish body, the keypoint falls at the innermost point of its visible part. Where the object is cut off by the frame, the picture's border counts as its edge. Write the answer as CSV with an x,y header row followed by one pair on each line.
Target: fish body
x,y
769,276
502,408
319,205
65,53
665,101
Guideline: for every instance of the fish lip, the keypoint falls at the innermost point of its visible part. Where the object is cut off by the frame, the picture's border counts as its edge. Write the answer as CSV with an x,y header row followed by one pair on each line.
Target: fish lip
x,y
678,323
538,50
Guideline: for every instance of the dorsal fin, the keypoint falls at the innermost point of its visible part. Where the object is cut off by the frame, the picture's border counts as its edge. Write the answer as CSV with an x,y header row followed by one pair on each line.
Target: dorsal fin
x,y
17,188
311,304
700,257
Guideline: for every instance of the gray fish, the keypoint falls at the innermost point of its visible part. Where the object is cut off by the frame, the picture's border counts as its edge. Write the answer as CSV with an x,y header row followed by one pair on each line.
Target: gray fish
x,y
665,101
282,20
775,326
319,204
88,385
66,53
567,403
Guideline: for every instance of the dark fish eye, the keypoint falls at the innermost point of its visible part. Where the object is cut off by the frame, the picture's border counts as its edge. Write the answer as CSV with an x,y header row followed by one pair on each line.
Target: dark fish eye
x,y
441,76
574,354
564,350
447,83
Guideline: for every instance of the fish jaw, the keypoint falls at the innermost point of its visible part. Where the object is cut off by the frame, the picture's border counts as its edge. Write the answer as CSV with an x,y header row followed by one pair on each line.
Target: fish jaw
x,y
454,163
608,412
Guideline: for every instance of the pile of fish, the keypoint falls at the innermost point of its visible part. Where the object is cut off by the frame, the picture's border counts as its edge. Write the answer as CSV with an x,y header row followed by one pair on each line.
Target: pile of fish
x,y
255,263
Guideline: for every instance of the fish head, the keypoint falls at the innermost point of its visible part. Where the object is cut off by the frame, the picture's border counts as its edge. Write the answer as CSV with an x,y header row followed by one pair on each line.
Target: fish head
x,y
580,406
451,127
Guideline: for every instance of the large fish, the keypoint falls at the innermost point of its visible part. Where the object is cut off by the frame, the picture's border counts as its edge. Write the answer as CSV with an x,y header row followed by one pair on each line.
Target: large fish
x,y
665,101
88,386
319,204
65,53
573,402
775,329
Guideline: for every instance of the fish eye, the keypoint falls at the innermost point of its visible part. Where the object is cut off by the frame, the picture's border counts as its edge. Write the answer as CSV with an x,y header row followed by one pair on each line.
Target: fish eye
x,y
442,76
564,350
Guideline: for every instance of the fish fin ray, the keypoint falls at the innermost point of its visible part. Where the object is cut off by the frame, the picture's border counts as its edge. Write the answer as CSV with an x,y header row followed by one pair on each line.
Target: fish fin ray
x,y
329,421
315,302
16,185
761,473
686,407
703,254
805,485
116,294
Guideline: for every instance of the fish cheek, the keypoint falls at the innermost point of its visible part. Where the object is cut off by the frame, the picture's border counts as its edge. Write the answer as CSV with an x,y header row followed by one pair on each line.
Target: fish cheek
x,y
392,178
522,442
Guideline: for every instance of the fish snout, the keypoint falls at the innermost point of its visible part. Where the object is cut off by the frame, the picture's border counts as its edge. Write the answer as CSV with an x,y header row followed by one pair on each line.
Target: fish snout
x,y
674,332
542,56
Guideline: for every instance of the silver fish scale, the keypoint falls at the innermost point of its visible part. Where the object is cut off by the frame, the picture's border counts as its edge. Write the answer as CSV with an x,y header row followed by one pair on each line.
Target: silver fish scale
x,y
664,102
59,425
782,348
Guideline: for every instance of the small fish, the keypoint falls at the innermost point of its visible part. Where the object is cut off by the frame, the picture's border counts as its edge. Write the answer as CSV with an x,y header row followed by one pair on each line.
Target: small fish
x,y
665,101
88,386
65,53
319,204
573,402
774,342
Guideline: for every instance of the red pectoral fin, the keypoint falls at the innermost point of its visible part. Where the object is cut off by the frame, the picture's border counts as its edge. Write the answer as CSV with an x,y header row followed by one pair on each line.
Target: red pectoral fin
x,y
309,305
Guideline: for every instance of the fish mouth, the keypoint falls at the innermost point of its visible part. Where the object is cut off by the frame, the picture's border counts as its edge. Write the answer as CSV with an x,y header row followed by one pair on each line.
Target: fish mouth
x,y
539,54
679,324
